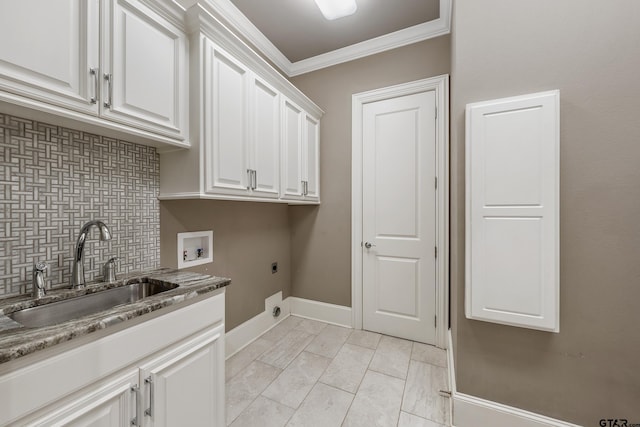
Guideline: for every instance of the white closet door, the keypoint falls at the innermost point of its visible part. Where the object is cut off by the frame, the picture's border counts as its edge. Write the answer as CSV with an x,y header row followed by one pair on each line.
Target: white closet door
x,y
398,221
512,230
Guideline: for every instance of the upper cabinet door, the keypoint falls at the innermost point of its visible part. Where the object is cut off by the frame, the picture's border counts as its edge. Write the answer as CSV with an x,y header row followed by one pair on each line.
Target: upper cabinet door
x,y
226,126
512,239
265,139
49,51
292,151
145,71
312,159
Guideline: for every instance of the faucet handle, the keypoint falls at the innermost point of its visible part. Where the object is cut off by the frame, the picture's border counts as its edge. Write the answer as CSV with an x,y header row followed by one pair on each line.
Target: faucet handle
x,y
40,266
109,269
39,287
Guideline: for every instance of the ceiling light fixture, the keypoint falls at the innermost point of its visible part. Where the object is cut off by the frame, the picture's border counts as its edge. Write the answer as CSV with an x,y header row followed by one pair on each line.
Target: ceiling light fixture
x,y
334,9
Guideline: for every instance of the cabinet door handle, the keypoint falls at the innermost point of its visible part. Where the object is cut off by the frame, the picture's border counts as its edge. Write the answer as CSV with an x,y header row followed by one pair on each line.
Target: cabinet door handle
x,y
149,410
255,179
250,177
109,79
94,73
136,391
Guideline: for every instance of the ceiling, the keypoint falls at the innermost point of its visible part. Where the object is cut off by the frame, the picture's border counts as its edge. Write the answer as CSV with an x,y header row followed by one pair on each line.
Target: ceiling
x,y
295,36
298,29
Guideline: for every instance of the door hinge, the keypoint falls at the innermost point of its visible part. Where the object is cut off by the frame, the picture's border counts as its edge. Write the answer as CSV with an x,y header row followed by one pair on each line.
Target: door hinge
x,y
435,321
436,252
436,182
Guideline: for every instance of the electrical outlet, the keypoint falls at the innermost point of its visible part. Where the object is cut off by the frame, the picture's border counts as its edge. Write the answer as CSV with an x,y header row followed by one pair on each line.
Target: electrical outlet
x,y
274,268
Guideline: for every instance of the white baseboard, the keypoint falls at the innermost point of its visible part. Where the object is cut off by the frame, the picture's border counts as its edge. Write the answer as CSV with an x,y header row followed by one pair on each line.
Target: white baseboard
x,y
244,334
329,313
472,411
452,372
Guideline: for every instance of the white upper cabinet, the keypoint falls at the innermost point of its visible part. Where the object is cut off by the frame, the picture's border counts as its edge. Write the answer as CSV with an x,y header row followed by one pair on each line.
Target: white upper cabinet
x,y
50,51
264,137
300,146
255,135
292,119
311,159
512,240
225,122
144,69
114,64
241,128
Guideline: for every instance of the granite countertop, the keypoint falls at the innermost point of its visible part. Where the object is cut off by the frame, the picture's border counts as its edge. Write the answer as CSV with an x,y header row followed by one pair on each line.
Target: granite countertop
x,y
17,340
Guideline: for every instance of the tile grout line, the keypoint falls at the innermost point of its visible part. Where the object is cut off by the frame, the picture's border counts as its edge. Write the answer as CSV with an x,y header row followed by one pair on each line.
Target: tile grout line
x,y
368,369
361,379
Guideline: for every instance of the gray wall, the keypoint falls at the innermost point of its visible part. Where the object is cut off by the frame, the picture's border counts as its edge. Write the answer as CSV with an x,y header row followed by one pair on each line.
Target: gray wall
x,y
247,238
310,243
591,52
53,180
321,236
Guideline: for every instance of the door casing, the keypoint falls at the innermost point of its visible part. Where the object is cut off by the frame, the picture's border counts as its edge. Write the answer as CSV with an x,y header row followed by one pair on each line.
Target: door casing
x,y
440,85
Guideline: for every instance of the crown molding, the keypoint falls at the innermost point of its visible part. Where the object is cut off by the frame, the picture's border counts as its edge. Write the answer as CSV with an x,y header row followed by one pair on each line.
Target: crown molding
x,y
228,12
201,19
168,9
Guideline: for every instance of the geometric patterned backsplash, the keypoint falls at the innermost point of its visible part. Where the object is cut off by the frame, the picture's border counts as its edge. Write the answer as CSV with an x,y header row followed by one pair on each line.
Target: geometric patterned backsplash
x,y
52,181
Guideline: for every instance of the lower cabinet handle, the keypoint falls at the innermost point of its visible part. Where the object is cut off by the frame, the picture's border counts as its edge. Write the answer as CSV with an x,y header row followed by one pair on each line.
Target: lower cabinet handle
x,y
136,391
109,79
255,179
250,176
149,410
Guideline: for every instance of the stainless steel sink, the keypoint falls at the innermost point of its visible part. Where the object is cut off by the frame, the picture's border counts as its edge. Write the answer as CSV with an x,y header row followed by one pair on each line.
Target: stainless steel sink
x,y
61,311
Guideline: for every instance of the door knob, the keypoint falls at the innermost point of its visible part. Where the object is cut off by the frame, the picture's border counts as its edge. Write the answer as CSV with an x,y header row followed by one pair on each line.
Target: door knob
x,y
368,245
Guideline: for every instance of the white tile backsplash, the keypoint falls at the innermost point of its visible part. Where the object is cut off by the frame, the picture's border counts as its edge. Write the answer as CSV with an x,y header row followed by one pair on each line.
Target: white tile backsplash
x,y
54,179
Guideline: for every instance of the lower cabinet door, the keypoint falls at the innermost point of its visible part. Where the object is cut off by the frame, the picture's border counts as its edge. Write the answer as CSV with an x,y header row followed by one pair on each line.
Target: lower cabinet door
x,y
185,386
107,405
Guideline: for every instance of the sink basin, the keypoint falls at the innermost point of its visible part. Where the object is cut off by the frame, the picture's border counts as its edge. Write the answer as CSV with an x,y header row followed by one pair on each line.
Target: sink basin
x,y
61,311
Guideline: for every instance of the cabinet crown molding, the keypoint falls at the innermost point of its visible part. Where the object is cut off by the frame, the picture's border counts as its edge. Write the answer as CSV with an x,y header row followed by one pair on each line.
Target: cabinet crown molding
x,y
169,10
201,17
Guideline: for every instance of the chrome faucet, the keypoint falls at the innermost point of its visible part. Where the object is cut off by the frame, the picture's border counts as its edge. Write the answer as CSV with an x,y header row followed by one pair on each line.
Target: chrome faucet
x,y
77,277
38,285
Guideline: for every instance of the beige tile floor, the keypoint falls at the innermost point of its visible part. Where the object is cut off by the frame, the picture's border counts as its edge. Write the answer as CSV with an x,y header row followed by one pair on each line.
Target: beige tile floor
x,y
308,373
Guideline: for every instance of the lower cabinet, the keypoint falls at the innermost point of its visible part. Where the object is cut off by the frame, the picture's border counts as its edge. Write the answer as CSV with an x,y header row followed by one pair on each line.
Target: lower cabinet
x,y
129,378
111,404
180,388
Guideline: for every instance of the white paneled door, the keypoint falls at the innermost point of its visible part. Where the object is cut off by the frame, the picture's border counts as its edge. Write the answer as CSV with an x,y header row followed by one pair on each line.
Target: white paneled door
x,y
513,172
399,216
